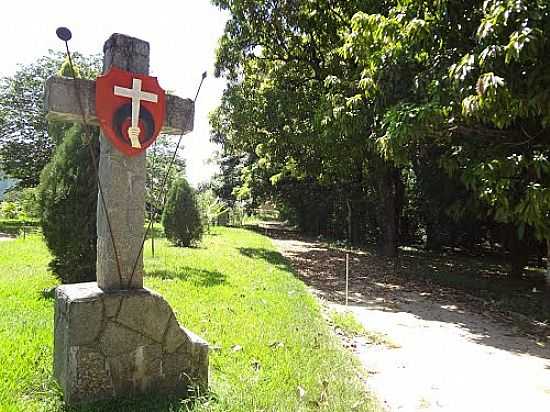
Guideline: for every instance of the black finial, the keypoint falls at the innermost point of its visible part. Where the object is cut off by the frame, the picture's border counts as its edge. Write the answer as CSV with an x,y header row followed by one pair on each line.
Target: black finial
x,y
64,33
200,84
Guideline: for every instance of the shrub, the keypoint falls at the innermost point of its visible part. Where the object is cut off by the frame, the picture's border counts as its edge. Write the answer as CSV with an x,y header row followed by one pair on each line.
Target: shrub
x,y
26,201
181,218
67,198
9,210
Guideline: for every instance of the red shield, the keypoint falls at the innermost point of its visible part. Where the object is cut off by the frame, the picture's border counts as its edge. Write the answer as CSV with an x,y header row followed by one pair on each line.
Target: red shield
x,y
130,108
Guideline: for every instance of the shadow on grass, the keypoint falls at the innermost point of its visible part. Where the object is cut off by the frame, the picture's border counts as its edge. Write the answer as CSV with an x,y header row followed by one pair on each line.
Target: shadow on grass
x,y
199,277
139,404
270,256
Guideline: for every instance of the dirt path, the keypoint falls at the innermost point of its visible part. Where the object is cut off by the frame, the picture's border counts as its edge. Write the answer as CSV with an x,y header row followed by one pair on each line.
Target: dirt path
x,y
450,356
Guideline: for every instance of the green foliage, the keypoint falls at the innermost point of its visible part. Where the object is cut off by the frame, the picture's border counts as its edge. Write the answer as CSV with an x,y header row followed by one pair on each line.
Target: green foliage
x,y
291,121
19,227
331,105
68,200
211,207
495,66
181,218
9,210
26,201
27,141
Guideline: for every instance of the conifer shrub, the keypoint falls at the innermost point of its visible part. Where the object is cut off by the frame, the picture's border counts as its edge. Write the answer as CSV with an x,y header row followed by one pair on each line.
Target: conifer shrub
x,y
181,218
67,200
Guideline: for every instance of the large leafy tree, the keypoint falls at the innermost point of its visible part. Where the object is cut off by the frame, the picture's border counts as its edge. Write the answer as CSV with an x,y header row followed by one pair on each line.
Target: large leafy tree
x,y
27,141
473,86
291,106
505,92
332,100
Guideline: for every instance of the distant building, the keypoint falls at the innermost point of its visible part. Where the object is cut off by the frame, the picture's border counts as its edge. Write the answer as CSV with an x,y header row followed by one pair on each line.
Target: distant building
x,y
5,184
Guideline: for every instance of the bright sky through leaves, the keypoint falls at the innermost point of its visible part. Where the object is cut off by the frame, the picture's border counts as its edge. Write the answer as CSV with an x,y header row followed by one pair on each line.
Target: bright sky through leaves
x,y
183,36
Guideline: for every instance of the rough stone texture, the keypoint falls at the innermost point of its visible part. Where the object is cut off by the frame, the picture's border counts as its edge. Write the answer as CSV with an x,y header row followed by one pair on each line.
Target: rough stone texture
x,y
123,183
124,343
61,99
122,177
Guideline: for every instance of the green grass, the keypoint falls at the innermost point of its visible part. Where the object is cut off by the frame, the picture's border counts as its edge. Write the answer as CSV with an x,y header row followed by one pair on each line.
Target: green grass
x,y
351,327
348,323
272,350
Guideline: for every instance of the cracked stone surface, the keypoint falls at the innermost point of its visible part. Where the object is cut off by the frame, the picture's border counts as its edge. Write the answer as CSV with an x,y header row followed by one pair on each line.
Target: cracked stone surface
x,y
120,344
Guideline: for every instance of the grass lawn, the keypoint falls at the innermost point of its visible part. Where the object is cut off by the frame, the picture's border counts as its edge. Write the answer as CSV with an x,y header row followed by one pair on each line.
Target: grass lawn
x,y
271,348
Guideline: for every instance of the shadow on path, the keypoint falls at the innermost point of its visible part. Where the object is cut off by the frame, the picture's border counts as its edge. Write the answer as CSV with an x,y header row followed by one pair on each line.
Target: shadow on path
x,y
375,285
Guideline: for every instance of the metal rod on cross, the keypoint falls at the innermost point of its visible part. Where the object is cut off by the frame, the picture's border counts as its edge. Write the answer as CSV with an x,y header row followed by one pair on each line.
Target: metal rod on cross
x,y
64,34
200,84
162,192
153,206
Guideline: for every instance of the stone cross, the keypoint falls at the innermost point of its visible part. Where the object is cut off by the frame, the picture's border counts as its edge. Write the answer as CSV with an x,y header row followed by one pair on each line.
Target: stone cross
x,y
114,338
122,177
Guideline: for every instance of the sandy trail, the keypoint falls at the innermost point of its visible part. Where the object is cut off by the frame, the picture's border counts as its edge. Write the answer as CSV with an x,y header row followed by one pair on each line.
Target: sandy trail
x,y
449,358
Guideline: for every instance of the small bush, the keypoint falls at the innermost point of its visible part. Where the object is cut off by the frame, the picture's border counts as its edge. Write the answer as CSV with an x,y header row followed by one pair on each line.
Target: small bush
x,y
9,210
181,218
67,197
26,201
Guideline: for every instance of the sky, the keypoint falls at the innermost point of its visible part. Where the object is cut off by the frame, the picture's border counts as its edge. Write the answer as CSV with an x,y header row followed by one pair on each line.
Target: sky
x,y
182,34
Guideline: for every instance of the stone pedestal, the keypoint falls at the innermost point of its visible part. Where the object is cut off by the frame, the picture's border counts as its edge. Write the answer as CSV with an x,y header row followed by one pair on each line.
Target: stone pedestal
x,y
123,343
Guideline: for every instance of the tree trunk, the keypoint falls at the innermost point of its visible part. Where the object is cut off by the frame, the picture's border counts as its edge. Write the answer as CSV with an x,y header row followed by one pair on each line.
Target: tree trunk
x,y
389,208
434,241
350,234
519,255
548,263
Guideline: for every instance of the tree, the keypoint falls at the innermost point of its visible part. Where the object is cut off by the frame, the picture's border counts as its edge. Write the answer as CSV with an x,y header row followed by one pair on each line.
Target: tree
x,y
490,56
210,206
505,109
26,201
67,197
333,103
27,140
181,218
286,108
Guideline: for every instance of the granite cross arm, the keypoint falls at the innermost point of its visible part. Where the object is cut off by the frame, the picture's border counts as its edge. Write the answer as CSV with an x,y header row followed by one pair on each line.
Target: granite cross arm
x,y
62,105
126,202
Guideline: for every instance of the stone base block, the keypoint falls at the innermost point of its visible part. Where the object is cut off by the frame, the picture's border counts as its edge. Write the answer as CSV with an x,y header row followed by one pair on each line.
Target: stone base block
x,y
122,344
